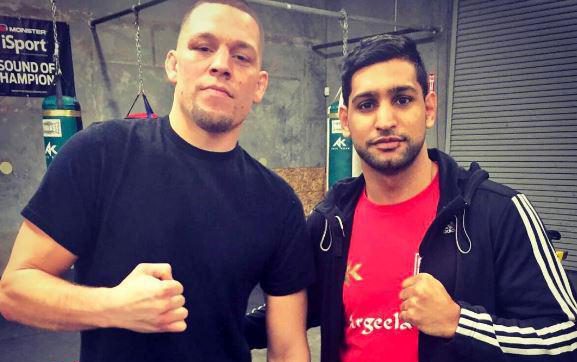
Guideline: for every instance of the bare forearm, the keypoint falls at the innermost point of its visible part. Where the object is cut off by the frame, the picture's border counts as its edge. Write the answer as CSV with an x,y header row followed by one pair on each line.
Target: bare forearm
x,y
36,298
298,353
286,328
148,300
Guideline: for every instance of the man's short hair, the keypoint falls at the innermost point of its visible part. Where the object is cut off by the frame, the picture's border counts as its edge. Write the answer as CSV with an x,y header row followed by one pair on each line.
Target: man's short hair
x,y
238,4
382,48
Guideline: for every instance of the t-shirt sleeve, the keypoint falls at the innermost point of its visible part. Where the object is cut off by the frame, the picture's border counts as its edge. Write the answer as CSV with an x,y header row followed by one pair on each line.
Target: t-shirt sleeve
x,y
291,268
65,203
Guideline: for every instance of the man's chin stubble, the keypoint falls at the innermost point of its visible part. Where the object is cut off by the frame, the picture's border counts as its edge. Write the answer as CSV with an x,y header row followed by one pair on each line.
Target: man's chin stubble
x,y
212,123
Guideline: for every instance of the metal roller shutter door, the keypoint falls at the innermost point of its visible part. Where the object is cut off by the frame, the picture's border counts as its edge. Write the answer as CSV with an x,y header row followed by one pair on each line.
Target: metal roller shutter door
x,y
513,102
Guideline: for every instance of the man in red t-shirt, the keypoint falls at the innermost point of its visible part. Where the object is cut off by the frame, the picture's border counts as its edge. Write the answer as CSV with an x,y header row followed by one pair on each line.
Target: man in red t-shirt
x,y
388,113
419,259
389,108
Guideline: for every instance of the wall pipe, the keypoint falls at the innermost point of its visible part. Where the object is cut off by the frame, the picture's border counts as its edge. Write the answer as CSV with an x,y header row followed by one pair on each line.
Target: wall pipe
x,y
277,4
356,40
336,14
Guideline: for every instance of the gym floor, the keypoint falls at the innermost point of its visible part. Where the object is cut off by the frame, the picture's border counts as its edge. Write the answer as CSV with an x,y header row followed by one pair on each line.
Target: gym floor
x,y
25,344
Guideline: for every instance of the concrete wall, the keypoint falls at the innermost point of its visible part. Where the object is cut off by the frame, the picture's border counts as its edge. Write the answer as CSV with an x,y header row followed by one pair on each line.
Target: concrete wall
x,y
286,130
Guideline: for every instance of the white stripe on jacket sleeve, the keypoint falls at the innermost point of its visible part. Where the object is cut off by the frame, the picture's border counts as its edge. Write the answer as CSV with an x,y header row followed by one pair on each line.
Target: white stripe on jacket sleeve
x,y
528,340
565,287
514,350
554,283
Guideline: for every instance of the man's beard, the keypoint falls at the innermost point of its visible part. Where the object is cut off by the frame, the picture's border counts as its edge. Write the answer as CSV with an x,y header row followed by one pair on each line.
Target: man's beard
x,y
391,167
212,123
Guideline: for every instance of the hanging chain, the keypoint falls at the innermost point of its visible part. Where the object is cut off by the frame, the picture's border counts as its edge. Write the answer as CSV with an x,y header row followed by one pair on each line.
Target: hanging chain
x,y
138,49
56,55
345,28
396,15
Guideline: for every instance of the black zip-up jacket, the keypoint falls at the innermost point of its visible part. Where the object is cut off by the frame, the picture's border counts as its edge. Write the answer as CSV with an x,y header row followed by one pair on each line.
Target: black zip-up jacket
x,y
489,249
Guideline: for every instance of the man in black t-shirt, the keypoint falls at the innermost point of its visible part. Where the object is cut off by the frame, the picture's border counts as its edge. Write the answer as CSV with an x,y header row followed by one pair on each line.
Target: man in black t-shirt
x,y
169,222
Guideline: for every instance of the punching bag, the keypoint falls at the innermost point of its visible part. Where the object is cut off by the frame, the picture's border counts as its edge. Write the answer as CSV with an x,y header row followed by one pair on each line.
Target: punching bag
x,y
61,120
339,148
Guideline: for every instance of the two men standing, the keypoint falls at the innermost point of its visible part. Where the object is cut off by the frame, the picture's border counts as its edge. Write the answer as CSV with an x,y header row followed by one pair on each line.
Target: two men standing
x,y
170,224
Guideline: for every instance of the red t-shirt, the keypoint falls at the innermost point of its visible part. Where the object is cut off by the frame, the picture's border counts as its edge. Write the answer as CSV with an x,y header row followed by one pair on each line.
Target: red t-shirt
x,y
385,240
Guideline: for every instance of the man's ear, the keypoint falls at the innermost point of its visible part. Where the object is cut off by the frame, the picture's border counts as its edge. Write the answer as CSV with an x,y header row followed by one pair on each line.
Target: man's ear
x,y
261,86
171,66
344,117
431,109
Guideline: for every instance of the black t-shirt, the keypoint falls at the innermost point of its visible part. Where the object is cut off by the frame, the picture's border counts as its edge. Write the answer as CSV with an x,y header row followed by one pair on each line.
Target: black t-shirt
x,y
128,192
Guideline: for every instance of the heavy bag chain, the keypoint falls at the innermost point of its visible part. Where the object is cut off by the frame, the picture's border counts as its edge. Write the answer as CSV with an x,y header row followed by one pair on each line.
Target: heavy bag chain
x,y
345,27
138,49
56,55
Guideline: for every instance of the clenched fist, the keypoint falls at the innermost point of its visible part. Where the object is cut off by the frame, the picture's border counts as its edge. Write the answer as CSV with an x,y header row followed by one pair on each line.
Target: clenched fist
x,y
427,306
148,300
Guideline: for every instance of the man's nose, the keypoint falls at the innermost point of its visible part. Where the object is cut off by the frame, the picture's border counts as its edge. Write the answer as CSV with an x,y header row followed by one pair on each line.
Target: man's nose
x,y
386,118
220,65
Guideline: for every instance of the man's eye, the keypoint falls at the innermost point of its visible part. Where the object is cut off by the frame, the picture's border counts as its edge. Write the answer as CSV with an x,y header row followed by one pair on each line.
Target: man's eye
x,y
366,106
242,58
403,100
201,48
